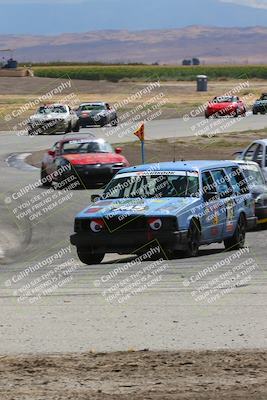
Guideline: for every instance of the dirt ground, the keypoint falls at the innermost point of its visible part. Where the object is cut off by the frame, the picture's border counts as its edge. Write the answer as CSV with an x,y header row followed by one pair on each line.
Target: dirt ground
x,y
142,375
18,95
218,148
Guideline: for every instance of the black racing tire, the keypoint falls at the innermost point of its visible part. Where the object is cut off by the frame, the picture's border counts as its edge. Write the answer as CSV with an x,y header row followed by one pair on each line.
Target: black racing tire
x,y
193,239
102,122
87,257
44,176
68,129
76,127
254,112
115,121
207,115
237,241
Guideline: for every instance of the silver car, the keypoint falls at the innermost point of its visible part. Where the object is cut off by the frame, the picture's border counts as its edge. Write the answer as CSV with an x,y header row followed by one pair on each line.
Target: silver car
x,y
53,118
257,152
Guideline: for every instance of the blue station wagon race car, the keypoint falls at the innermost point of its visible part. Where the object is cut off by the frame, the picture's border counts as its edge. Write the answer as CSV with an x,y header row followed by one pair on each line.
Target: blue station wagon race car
x,y
181,205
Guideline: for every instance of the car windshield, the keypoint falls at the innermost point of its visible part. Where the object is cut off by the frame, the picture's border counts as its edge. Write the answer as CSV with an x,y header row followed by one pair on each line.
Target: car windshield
x,y
263,97
253,174
93,107
223,99
52,109
149,185
85,146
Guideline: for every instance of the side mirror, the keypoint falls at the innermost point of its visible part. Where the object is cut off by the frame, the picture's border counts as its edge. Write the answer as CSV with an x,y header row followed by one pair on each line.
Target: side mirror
x,y
51,153
95,198
210,196
118,150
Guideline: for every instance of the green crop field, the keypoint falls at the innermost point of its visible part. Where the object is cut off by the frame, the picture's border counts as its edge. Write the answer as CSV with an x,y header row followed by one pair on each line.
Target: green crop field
x,y
115,73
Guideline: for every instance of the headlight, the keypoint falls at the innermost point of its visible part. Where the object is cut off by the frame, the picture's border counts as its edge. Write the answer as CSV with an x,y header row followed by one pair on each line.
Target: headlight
x,y
259,200
155,223
96,225
119,165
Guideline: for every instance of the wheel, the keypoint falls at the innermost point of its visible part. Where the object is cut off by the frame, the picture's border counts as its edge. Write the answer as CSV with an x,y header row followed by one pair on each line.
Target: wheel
x,y
102,123
76,127
114,122
44,177
68,129
254,112
193,238
237,241
86,257
207,115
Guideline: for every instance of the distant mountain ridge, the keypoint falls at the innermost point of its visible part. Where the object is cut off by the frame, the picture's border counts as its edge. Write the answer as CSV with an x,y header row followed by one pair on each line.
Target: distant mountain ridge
x,y
210,44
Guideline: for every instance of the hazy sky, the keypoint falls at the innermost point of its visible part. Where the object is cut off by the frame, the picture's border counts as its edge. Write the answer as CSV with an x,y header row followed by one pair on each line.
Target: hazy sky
x,y
56,16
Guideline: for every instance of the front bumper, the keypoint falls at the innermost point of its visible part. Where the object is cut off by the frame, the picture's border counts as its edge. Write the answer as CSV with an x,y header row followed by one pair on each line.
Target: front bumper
x,y
260,108
95,173
91,120
128,243
48,127
91,174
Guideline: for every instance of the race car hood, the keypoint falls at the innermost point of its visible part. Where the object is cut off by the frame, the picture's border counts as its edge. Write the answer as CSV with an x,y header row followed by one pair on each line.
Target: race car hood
x,y
94,158
222,106
261,102
93,113
154,207
47,117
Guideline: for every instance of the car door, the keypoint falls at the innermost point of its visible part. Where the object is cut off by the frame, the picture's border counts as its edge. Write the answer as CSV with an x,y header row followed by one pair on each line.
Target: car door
x,y
239,187
212,219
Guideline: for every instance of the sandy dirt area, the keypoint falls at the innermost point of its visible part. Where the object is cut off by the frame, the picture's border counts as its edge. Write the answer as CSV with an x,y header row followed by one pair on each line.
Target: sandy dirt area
x,y
177,98
142,375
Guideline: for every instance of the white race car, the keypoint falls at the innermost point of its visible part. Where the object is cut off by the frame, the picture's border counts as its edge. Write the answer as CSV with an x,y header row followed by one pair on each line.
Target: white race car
x,y
53,118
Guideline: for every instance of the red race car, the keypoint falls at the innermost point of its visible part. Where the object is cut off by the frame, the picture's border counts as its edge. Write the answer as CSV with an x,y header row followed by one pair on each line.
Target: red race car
x,y
225,105
92,161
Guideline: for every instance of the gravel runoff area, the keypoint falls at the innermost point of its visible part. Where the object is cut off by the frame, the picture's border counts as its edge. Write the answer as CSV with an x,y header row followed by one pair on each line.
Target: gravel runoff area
x,y
141,375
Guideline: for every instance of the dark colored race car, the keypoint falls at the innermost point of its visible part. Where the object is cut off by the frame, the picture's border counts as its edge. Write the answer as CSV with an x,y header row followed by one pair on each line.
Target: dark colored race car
x,y
98,113
260,105
91,161
225,106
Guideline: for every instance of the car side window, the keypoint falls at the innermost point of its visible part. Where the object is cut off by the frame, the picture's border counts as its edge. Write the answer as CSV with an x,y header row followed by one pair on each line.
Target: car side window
x,y
209,189
259,155
237,180
249,154
222,183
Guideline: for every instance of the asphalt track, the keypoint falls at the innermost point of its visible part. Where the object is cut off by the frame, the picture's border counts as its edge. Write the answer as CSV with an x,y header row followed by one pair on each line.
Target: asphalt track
x,y
79,316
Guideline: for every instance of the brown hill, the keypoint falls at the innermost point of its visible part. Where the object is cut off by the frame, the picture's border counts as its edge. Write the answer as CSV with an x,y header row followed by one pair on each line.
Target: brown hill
x,y
210,44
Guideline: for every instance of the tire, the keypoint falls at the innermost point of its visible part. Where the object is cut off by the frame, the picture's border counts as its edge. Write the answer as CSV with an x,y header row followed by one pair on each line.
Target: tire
x,y
44,176
76,127
115,122
207,115
254,112
68,129
237,241
86,257
102,123
193,239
